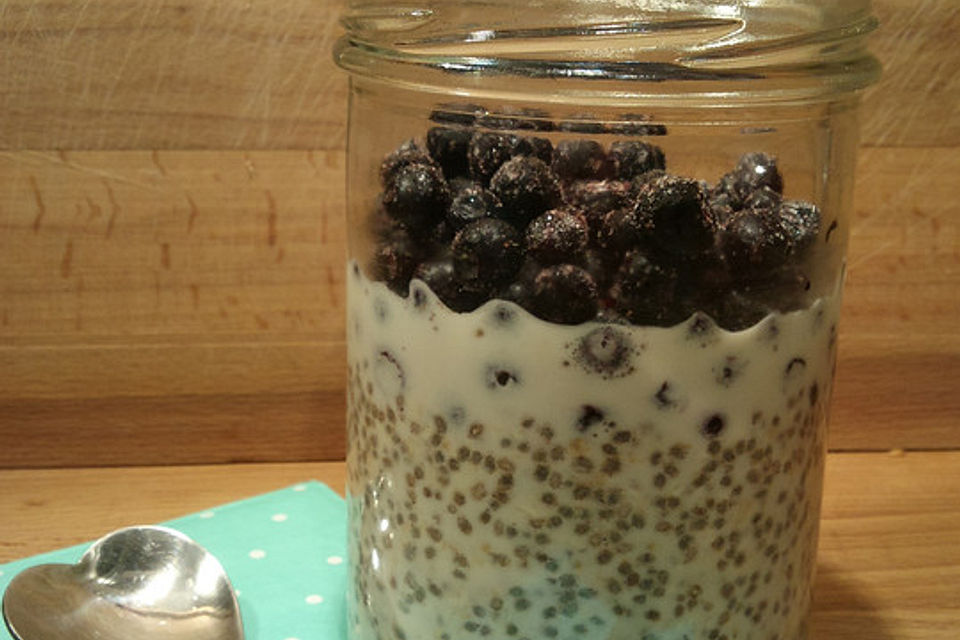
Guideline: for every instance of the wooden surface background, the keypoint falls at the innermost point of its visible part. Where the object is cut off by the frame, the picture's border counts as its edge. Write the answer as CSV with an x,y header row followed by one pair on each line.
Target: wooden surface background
x,y
171,235
888,566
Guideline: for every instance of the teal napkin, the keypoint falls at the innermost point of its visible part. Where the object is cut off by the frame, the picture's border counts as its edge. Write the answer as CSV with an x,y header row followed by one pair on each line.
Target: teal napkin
x,y
285,554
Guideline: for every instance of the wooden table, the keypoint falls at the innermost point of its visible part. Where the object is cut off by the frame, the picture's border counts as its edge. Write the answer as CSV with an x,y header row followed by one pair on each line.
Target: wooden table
x,y
171,266
889,564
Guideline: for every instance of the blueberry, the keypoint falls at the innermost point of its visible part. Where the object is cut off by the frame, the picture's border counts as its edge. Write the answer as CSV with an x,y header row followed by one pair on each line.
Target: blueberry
x,y
438,237
800,222
667,397
381,224
726,190
540,148
419,295
713,426
795,367
705,279
527,188
635,124
470,205
504,315
519,119
605,350
504,122
410,152
529,270
517,292
559,235
579,159
763,199
622,229
458,296
462,183
637,271
721,206
487,153
395,259
582,123
628,159
752,243
744,238
487,253
701,327
597,195
457,114
756,170
595,199
601,265
520,290
417,196
609,315
783,289
498,376
645,293
589,416
735,311
449,146
727,372
565,294
671,211
643,180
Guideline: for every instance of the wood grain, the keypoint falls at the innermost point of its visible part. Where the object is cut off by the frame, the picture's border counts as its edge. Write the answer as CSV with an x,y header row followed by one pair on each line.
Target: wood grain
x,y
917,101
182,307
889,566
161,74
164,74
898,374
87,499
187,307
150,243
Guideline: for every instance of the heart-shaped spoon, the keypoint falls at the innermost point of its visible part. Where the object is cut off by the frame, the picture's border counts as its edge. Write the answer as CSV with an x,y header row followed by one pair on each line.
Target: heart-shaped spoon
x,y
136,583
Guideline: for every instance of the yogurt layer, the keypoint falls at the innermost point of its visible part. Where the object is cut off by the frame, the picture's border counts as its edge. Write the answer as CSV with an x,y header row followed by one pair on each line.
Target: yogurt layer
x,y
513,478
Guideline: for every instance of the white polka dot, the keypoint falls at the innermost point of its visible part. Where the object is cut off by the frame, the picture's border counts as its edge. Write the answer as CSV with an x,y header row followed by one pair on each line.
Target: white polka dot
x,y
206,514
314,599
334,560
300,487
279,517
257,554
237,592
291,639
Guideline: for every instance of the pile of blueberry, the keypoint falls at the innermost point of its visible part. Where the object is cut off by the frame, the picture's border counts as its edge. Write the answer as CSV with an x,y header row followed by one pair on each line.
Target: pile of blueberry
x,y
574,231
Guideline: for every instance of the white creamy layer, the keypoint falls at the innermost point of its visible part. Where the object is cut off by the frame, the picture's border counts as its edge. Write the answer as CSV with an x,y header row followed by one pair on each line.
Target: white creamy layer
x,y
489,372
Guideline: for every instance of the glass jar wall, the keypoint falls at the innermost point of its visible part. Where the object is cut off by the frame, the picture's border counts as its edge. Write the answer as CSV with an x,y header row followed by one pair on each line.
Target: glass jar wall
x,y
594,271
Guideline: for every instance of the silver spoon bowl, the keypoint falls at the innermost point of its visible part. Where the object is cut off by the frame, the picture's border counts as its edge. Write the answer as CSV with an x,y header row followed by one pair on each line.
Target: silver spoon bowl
x,y
136,583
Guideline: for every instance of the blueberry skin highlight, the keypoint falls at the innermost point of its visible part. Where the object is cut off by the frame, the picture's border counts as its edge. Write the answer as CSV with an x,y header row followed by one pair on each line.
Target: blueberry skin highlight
x,y
417,196
527,188
487,253
565,294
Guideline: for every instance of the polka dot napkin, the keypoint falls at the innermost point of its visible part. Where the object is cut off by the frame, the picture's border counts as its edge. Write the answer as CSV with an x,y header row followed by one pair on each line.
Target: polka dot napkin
x,y
283,551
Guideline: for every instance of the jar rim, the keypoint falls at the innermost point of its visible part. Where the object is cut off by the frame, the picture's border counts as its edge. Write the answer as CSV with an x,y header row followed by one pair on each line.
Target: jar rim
x,y
706,53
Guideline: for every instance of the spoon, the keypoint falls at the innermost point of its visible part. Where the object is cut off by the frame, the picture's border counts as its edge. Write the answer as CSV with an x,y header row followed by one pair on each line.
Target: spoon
x,y
136,583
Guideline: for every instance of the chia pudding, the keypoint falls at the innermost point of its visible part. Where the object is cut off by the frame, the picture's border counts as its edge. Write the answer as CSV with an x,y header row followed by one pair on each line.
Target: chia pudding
x,y
578,420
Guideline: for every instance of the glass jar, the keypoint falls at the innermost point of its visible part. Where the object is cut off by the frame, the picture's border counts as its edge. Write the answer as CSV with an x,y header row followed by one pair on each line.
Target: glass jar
x,y
595,260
